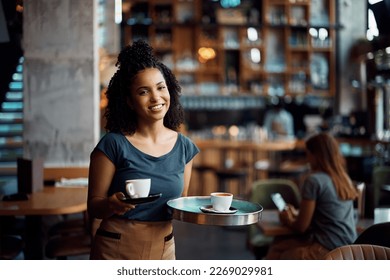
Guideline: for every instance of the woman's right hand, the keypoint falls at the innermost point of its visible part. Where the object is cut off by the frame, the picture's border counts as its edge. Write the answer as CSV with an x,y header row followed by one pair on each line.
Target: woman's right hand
x,y
117,205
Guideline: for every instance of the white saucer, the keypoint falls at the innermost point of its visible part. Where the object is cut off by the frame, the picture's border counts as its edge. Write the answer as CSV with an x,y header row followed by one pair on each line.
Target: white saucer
x,y
209,209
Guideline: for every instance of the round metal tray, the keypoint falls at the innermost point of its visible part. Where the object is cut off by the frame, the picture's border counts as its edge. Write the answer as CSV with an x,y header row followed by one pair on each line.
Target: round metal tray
x,y
187,209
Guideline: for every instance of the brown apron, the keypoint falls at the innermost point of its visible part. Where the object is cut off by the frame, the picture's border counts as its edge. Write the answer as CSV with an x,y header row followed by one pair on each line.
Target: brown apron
x,y
122,239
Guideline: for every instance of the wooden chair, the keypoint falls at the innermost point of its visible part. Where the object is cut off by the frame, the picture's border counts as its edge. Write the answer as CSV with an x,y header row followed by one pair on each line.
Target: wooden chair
x,y
62,247
359,252
78,243
261,193
10,247
67,226
381,178
12,231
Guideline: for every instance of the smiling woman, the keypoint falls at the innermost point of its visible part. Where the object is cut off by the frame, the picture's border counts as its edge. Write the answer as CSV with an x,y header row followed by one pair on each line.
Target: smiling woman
x,y
143,117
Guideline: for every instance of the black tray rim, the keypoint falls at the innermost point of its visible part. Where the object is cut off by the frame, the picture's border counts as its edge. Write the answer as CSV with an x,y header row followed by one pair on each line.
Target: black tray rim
x,y
142,200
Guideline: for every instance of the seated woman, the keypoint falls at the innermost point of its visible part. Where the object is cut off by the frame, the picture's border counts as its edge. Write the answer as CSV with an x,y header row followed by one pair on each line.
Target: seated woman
x,y
325,219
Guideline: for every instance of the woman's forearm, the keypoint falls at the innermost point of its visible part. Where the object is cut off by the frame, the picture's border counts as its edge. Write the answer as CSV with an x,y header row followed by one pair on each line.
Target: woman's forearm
x,y
98,207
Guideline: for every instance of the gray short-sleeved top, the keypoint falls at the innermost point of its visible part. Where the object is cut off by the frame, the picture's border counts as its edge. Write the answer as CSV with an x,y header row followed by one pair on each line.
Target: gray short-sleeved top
x,y
166,172
333,222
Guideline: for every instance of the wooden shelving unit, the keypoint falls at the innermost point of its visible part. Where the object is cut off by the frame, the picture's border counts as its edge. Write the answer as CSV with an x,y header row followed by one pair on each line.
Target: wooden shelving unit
x,y
269,47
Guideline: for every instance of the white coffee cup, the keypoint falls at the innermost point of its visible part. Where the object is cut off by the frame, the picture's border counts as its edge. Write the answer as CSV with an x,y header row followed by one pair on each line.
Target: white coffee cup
x,y
221,201
137,188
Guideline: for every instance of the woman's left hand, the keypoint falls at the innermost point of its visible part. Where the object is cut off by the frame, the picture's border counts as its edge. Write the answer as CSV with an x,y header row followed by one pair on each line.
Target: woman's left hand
x,y
116,204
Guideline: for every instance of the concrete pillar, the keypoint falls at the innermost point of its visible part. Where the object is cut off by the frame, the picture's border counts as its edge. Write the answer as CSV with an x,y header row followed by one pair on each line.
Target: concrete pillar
x,y
353,29
61,86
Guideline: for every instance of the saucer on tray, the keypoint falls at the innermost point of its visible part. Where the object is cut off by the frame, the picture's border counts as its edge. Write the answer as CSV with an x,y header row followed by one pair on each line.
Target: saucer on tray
x,y
209,209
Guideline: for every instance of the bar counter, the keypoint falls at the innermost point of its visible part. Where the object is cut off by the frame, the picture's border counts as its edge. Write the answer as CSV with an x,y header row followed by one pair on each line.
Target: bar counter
x,y
234,155
246,145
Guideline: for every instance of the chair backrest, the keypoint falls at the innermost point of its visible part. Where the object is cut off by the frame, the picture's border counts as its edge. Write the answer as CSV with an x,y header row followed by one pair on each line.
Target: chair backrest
x,y
262,190
378,234
359,252
261,193
380,177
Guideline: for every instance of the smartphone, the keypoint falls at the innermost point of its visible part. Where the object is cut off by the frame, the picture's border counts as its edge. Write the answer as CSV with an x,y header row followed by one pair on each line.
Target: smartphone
x,y
278,201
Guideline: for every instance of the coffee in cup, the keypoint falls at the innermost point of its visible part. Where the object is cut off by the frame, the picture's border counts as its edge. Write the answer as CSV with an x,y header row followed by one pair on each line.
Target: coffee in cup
x,y
137,188
221,201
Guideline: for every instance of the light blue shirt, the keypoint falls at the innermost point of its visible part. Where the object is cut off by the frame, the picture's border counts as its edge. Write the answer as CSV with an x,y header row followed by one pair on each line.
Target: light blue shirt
x,y
333,224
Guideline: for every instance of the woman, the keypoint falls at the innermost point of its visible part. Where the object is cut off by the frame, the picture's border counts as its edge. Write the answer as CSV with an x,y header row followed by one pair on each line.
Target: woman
x,y
325,219
143,115
279,122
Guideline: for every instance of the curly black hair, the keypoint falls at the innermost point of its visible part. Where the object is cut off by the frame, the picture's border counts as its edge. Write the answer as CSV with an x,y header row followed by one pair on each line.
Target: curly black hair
x,y
131,60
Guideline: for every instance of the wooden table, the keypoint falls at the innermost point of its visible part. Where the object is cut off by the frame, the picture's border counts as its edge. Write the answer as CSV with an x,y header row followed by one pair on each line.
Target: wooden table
x,y
49,201
271,226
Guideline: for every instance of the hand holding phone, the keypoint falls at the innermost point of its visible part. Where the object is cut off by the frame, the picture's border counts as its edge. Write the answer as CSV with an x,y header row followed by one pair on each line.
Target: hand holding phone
x,y
279,202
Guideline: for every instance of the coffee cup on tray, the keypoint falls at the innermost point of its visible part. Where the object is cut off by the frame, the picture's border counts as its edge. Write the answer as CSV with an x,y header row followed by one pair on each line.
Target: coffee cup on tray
x,y
221,201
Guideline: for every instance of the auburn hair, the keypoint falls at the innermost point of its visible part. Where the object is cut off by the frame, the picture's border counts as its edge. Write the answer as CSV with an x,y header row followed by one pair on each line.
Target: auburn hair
x,y
328,158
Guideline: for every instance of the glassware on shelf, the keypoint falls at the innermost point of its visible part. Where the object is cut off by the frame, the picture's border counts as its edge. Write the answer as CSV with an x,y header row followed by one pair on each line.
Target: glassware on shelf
x,y
270,38
320,37
319,71
230,38
297,83
185,12
256,88
163,40
275,60
252,59
298,39
167,59
186,62
275,86
253,16
298,16
319,13
252,38
276,15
